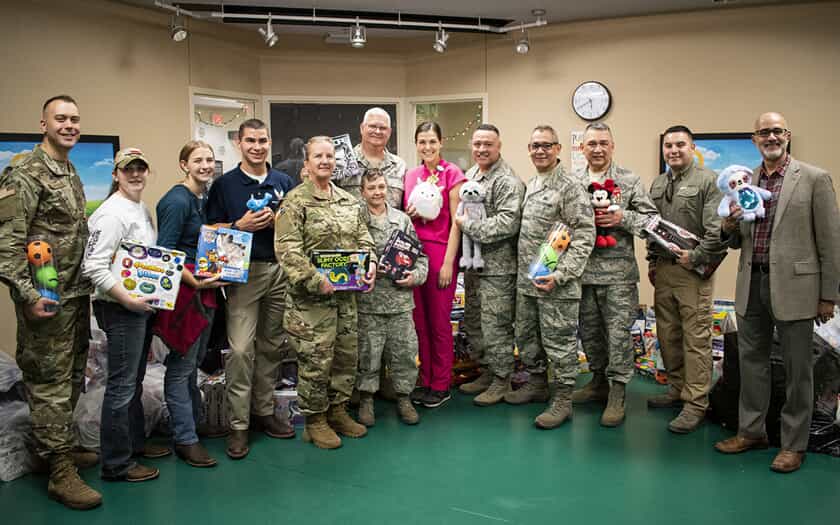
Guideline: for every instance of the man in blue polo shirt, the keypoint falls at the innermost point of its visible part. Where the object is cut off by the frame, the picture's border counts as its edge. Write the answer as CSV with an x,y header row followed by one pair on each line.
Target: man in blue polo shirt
x,y
254,309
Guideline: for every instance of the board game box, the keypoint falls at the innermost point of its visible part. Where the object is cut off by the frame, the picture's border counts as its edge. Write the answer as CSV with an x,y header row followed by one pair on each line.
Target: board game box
x,y
225,252
343,268
399,255
149,271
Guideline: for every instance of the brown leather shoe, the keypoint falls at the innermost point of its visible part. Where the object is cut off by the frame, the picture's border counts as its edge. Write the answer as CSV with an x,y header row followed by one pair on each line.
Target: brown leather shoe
x,y
738,444
195,455
787,461
273,426
237,444
140,472
153,451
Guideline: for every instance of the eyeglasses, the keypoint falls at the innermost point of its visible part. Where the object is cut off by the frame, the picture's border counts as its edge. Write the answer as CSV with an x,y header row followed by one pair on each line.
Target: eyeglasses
x,y
545,146
374,127
766,132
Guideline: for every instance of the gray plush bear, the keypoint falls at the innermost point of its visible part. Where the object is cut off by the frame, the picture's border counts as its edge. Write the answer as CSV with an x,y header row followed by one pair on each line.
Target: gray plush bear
x,y
471,206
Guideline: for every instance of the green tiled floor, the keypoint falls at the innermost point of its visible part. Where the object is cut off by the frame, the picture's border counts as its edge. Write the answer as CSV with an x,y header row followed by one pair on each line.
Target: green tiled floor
x,y
468,465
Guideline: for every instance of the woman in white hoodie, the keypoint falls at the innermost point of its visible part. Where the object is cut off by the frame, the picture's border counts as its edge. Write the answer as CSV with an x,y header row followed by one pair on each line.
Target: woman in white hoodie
x,y
125,320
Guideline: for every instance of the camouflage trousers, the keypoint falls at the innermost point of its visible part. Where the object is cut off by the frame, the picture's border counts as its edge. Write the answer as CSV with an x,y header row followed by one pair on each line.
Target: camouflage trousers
x,y
394,338
545,333
489,311
52,354
324,334
606,315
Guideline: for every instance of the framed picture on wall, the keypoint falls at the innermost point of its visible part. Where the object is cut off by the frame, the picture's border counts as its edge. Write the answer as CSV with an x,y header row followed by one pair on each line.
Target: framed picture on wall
x,y
93,158
719,150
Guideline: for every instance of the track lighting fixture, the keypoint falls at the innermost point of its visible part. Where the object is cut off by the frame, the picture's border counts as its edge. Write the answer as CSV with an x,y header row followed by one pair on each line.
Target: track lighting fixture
x,y
268,33
358,35
523,44
177,30
441,38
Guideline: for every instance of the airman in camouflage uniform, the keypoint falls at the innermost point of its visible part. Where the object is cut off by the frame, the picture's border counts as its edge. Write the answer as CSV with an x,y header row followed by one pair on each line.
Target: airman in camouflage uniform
x,y
610,293
492,292
322,326
41,194
547,307
386,324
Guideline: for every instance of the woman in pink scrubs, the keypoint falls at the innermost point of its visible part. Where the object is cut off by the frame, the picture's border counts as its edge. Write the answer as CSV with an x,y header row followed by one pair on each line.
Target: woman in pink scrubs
x,y
441,240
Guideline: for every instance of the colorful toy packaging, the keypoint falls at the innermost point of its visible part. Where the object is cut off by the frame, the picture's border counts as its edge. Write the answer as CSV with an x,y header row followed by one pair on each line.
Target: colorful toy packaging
x,y
344,269
672,237
399,255
41,259
555,245
149,271
225,252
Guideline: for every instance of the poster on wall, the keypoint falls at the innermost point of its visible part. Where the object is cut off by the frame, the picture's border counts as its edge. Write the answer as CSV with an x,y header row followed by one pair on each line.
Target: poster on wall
x,y
93,158
716,151
578,161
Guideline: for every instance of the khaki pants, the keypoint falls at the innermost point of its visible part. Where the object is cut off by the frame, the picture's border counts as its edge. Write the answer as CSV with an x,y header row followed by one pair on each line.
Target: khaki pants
x,y
683,306
257,342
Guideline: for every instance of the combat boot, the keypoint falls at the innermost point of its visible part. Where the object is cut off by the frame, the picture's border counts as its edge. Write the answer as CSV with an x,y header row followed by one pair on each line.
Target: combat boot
x,y
340,421
319,433
406,411
367,417
558,411
67,487
597,389
614,413
478,385
534,391
495,393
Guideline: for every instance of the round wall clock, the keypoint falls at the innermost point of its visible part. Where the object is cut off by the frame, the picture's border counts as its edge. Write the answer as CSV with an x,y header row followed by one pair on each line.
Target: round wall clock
x,y
591,100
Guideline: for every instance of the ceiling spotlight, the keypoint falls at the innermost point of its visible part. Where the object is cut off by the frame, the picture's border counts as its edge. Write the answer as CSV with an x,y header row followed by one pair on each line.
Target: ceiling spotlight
x,y
540,15
358,35
268,33
523,44
177,29
441,37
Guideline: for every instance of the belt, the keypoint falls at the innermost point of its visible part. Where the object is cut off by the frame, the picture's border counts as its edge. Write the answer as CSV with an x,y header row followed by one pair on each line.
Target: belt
x,y
763,268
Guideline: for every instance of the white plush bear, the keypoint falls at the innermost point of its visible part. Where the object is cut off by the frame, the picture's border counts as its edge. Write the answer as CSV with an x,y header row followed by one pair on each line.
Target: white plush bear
x,y
735,183
426,199
471,206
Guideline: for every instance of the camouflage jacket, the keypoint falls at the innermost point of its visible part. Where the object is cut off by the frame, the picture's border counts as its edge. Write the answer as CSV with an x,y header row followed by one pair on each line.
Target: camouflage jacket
x,y
387,297
503,203
617,265
311,219
42,196
392,167
549,199
694,198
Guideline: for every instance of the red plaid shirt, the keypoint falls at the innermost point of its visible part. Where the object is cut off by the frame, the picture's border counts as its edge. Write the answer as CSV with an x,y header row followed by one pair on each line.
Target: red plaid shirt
x,y
763,227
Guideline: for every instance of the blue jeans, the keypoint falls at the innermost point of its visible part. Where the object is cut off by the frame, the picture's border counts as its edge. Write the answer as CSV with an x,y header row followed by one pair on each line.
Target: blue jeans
x,y
183,397
122,428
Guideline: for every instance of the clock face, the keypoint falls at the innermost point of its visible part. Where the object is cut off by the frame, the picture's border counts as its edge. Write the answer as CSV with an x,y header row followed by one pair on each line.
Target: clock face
x,y
591,100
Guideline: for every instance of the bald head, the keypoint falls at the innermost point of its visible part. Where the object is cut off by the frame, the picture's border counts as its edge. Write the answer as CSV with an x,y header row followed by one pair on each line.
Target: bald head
x,y
771,119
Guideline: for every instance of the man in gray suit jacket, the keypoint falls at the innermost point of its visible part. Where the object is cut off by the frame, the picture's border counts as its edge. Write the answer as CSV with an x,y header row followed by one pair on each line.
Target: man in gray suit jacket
x,y
788,276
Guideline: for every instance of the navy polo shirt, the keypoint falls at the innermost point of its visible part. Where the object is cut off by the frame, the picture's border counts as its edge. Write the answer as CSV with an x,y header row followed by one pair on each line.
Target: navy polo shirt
x,y
229,195
180,215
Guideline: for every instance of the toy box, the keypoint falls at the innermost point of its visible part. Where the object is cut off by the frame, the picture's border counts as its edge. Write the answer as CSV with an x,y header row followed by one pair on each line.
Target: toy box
x,y
400,254
225,252
344,269
149,271
672,237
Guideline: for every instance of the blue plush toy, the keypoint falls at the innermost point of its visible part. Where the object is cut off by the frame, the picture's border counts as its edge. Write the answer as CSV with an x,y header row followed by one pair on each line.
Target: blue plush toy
x,y
256,205
734,182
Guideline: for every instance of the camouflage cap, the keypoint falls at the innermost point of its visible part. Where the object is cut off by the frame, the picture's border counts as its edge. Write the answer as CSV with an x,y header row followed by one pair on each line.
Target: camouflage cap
x,y
124,156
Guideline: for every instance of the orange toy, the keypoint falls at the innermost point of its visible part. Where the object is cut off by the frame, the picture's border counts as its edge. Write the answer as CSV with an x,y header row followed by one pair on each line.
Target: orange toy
x,y
39,253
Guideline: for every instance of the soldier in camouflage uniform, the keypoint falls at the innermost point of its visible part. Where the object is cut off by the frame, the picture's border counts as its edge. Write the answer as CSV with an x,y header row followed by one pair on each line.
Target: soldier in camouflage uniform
x,y
42,195
372,153
492,292
547,307
386,323
610,295
322,325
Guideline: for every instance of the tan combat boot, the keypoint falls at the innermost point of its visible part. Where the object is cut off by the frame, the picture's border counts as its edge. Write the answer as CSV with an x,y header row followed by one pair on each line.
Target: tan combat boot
x,y
67,487
614,413
340,421
367,417
597,389
558,411
478,385
534,391
495,393
319,433
406,411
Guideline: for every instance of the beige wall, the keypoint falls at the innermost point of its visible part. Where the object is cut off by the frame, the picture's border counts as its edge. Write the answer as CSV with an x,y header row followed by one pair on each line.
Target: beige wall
x,y
708,70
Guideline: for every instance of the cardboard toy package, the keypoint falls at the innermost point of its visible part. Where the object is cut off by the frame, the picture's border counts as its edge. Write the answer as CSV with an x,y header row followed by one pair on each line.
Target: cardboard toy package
x,y
225,252
344,269
672,237
399,255
286,406
149,271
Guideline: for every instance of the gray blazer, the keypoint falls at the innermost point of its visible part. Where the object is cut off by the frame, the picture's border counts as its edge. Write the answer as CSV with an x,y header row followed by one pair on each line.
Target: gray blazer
x,y
804,246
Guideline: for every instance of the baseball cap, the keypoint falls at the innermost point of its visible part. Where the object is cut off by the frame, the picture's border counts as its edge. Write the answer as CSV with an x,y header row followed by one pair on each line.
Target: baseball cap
x,y
126,155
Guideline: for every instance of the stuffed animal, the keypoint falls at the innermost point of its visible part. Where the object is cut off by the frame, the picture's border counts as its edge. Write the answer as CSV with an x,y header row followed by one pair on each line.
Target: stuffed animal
x,y
256,205
472,207
603,197
426,199
735,183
